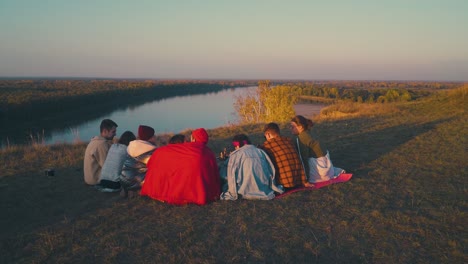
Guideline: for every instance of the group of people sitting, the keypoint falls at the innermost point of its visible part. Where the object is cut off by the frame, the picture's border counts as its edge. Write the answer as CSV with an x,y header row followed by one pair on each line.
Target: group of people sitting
x,y
187,170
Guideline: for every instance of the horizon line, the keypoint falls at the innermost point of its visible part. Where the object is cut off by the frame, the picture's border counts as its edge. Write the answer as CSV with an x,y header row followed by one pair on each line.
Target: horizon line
x,y
216,79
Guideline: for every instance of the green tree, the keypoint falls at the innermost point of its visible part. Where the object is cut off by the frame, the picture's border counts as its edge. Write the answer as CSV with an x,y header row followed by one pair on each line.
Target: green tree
x,y
392,95
359,99
405,96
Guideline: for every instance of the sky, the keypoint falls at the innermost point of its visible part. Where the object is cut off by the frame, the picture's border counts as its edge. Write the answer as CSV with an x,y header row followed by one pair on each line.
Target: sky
x,y
218,39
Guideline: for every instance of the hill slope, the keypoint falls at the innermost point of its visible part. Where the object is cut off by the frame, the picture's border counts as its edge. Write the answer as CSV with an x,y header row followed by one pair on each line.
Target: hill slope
x,y
406,202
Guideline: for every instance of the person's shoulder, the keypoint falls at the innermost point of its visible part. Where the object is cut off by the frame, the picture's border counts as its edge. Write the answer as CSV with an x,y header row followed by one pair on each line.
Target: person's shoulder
x,y
99,142
287,140
95,139
267,143
252,150
275,142
119,146
236,152
304,135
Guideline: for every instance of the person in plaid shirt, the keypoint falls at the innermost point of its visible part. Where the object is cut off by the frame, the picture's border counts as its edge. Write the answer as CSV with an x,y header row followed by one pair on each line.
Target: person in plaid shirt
x,y
289,169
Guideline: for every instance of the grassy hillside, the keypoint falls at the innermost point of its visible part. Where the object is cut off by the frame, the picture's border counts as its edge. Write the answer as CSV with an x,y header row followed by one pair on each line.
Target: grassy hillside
x,y
407,201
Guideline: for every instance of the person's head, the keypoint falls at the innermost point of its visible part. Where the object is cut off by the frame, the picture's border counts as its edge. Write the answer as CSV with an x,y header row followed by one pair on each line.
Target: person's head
x,y
240,140
126,137
271,130
299,124
108,129
176,139
146,133
199,135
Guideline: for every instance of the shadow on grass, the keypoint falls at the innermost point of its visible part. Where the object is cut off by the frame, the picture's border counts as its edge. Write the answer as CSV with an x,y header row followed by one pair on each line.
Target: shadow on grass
x,y
353,143
58,219
33,200
353,150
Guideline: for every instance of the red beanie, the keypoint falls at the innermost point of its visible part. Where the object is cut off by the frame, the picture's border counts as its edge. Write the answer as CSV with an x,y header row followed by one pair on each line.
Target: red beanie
x,y
145,132
200,135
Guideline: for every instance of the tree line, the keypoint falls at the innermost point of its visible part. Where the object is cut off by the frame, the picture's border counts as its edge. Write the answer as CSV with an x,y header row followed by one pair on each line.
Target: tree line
x,y
25,99
274,101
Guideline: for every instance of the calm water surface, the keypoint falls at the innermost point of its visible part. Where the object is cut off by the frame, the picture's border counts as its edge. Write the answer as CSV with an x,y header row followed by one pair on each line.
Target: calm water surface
x,y
171,115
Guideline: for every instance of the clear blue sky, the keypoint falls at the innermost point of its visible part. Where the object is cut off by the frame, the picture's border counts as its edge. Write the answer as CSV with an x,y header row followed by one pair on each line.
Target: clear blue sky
x,y
333,39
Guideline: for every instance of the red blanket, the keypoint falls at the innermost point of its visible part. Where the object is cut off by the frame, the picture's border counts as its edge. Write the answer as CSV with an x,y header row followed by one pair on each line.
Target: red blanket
x,y
182,173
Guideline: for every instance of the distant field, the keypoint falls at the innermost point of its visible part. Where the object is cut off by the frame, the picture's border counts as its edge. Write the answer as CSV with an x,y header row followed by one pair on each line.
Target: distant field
x,y
316,99
406,203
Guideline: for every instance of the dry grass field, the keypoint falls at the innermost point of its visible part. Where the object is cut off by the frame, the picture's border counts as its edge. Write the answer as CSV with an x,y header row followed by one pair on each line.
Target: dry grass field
x,y
406,203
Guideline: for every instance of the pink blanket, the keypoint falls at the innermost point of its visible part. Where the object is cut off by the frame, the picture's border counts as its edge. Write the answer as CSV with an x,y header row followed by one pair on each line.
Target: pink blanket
x,y
344,177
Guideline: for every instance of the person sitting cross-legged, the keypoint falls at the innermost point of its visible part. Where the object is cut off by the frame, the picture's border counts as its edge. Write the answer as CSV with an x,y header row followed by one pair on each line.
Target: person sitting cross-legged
x,y
134,168
314,155
112,168
282,152
250,173
96,152
183,173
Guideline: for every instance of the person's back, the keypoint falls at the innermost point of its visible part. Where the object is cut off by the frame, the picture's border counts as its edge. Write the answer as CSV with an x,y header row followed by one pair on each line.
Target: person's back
x,y
135,165
94,157
282,152
112,168
290,172
182,173
139,151
315,157
96,152
250,174
113,164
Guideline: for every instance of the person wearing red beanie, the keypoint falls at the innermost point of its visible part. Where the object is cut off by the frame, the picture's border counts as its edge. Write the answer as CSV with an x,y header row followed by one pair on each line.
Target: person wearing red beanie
x,y
200,135
134,169
145,132
185,173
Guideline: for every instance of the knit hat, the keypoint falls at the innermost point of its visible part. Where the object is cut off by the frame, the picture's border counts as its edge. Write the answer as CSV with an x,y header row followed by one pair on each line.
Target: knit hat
x,y
200,135
145,132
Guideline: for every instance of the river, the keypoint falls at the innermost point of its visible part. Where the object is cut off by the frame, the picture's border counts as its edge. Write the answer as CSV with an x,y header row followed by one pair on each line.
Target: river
x,y
171,115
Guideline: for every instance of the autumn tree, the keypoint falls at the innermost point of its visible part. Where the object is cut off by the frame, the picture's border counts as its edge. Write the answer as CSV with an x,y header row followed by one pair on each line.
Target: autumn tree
x,y
266,104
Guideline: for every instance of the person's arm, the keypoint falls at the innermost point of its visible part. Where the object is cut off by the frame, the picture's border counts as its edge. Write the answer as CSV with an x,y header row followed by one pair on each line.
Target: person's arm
x,y
274,187
231,193
101,154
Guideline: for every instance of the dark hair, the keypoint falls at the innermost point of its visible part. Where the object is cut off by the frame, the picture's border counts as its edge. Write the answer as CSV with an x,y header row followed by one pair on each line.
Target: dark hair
x,y
240,140
126,137
107,124
176,139
302,121
272,128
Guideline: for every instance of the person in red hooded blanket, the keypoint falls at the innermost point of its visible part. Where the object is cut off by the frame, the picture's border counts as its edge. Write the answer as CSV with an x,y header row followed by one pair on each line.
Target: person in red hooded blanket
x,y
183,173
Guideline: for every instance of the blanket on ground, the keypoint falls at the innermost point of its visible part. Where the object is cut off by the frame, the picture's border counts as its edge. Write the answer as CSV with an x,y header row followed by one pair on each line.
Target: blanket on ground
x,y
343,177
182,173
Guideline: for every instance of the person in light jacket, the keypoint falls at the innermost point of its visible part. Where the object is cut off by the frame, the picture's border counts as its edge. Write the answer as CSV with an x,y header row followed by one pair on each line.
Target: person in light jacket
x,y
96,152
110,173
250,173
